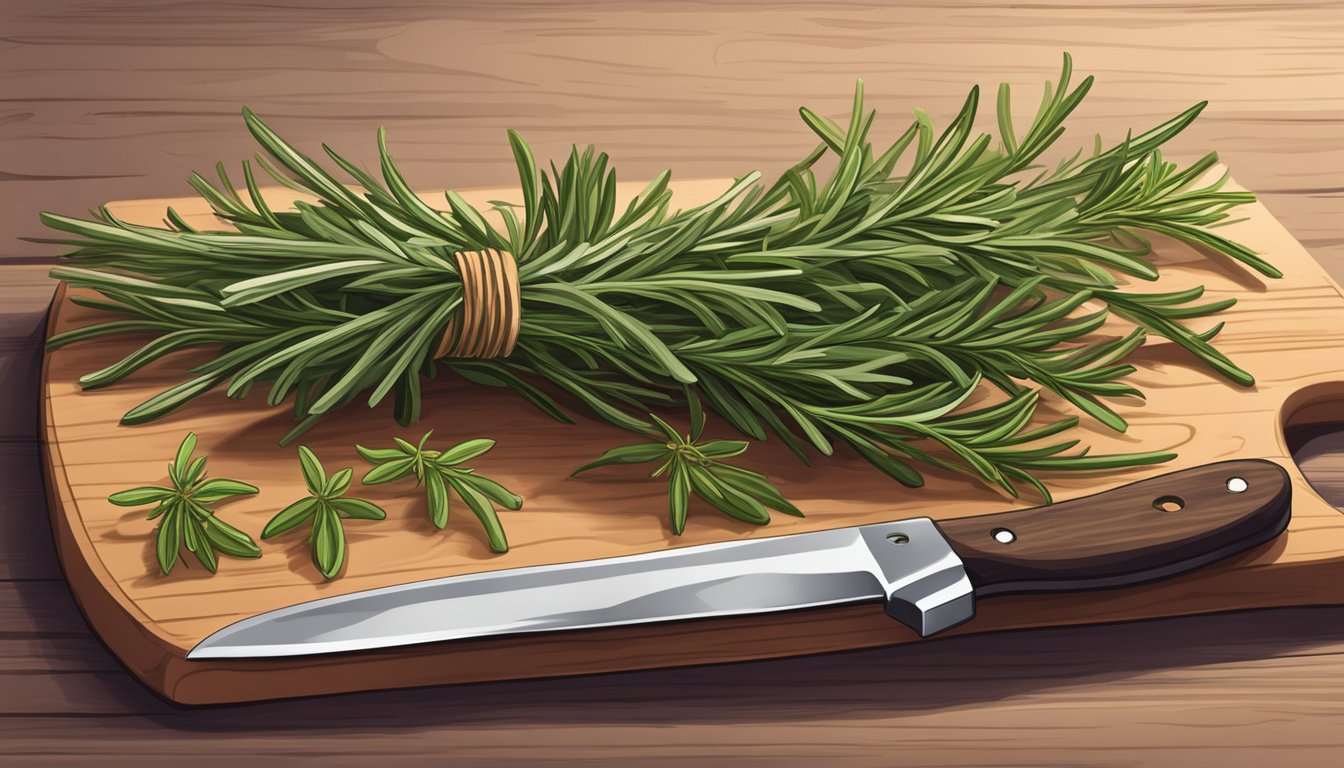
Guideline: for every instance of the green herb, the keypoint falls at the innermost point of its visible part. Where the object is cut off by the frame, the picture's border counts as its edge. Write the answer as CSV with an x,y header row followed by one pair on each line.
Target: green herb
x,y
698,468
324,510
441,470
187,519
864,307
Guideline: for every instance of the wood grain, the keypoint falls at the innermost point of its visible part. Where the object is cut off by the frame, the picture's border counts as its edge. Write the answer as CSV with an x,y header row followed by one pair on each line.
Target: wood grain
x,y
25,295
708,90
116,99
1205,691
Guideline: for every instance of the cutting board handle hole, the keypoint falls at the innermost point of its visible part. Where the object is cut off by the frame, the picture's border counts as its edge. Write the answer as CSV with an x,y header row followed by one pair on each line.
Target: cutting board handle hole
x,y
1312,420
1169,503
1237,484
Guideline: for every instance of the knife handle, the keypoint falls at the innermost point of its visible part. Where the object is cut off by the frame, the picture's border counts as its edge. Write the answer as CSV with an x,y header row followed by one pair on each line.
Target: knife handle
x,y
1135,533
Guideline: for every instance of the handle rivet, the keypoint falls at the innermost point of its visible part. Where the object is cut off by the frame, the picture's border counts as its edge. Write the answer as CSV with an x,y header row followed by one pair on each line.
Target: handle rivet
x,y
898,538
1168,503
1003,535
1237,484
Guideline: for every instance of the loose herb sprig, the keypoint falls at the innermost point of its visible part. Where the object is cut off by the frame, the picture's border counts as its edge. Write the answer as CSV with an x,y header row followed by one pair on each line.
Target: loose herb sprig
x,y
324,510
693,467
441,470
864,308
187,519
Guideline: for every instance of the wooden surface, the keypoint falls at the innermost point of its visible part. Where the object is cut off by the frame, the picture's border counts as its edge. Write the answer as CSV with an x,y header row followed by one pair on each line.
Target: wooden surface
x,y
1283,330
119,99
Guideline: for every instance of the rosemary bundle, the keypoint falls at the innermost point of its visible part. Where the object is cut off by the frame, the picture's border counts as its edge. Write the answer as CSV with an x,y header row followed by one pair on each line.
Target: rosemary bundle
x,y
861,306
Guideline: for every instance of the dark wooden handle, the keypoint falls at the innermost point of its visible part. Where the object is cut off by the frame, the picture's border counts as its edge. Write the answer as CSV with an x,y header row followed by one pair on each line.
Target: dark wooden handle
x,y
1131,534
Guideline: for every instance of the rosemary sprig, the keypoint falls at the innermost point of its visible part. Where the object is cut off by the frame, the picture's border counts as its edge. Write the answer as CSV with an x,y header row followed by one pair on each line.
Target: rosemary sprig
x,y
186,517
324,510
694,467
441,470
864,307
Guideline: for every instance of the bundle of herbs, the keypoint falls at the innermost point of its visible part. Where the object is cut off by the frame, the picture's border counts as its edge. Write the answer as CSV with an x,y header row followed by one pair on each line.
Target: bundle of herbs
x,y
863,307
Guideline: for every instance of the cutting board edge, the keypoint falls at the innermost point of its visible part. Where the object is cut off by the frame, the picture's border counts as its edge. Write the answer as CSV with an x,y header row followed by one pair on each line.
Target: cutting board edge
x,y
112,616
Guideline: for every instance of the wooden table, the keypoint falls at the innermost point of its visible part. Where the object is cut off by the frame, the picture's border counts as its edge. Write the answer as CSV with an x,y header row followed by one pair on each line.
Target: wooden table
x,y
122,99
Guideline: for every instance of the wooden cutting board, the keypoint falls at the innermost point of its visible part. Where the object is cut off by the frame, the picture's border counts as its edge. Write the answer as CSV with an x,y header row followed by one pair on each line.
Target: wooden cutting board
x,y
1289,333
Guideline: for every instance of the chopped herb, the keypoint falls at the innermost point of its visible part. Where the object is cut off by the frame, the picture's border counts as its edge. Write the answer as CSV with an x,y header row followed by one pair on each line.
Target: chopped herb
x,y
323,510
185,515
440,471
698,468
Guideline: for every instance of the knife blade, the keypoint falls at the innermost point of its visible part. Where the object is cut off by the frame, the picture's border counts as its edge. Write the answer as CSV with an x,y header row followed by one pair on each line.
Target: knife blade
x,y
928,574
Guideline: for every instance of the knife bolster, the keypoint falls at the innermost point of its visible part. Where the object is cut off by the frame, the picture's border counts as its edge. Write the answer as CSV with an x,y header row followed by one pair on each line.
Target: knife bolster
x,y
924,581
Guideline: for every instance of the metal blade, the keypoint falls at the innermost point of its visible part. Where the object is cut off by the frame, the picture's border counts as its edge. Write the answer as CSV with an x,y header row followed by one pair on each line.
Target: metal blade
x,y
908,564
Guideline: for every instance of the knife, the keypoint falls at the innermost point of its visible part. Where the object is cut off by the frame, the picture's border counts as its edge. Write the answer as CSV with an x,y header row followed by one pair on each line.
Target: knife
x,y
929,574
